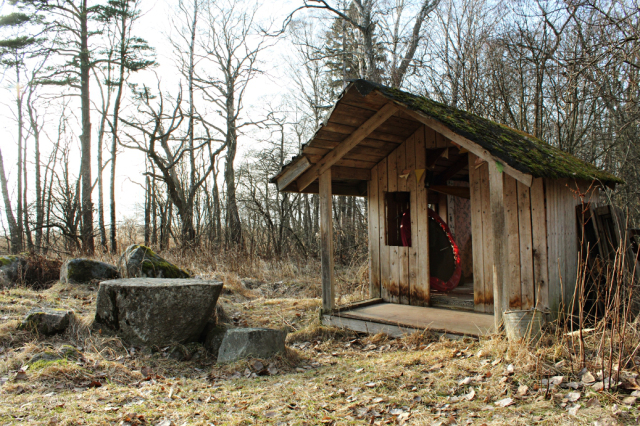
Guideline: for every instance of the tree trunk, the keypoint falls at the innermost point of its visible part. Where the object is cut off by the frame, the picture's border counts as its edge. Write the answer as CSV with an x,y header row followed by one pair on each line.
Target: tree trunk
x,y
85,138
234,230
15,235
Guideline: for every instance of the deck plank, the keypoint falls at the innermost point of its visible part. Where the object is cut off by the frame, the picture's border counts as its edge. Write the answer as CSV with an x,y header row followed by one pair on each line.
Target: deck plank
x,y
421,318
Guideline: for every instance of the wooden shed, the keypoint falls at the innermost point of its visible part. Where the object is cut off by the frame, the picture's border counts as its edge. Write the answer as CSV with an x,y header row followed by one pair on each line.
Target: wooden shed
x,y
507,197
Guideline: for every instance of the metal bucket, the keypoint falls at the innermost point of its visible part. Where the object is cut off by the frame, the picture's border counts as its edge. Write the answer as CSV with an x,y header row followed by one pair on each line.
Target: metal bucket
x,y
523,325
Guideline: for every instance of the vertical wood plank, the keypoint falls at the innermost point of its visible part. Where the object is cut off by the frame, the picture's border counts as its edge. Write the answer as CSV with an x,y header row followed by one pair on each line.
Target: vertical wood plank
x,y
553,247
476,235
526,247
410,164
385,270
374,239
420,288
539,238
326,241
496,195
487,240
512,287
442,207
570,242
394,253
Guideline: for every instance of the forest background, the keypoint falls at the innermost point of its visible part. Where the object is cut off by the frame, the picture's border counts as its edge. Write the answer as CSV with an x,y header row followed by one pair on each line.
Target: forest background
x,y
122,123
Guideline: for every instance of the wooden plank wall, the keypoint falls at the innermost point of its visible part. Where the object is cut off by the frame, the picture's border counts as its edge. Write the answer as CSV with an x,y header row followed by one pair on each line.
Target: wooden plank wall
x,y
527,283
562,239
400,273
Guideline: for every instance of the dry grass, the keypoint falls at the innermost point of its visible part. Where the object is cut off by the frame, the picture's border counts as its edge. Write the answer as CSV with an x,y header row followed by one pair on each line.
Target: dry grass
x,y
327,376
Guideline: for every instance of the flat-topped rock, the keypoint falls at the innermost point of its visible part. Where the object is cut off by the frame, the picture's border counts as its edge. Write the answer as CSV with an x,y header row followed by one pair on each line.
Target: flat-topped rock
x,y
140,261
156,311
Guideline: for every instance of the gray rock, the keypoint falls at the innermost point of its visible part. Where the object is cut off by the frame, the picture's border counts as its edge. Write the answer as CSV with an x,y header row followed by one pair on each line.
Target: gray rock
x,y
141,261
81,271
212,337
11,269
47,321
240,343
156,311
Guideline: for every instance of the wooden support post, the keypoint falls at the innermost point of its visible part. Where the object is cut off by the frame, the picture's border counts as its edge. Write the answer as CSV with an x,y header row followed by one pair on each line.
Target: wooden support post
x,y
326,242
496,201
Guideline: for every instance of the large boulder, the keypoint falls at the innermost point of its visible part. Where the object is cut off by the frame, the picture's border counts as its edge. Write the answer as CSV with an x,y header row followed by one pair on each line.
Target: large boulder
x,y
80,271
47,321
241,343
156,311
11,270
141,261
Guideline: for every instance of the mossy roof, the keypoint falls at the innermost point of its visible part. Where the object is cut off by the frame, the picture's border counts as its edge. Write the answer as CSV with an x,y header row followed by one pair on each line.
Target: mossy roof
x,y
520,150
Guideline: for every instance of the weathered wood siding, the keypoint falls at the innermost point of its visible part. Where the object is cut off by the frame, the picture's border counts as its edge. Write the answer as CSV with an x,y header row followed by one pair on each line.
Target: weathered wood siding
x,y
400,274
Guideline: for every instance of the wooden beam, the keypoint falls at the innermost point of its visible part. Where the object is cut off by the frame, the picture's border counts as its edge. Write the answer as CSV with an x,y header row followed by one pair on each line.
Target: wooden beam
x,y
469,145
292,173
345,146
451,171
433,155
338,172
326,242
496,202
456,191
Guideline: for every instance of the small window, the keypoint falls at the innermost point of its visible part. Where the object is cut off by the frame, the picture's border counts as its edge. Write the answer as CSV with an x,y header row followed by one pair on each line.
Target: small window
x,y
398,218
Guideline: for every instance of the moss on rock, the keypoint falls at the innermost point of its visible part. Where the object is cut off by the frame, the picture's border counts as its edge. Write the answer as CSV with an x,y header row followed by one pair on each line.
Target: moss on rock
x,y
141,261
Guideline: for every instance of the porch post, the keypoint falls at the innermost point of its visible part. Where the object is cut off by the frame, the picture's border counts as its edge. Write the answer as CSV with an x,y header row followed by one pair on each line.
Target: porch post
x,y
496,201
326,242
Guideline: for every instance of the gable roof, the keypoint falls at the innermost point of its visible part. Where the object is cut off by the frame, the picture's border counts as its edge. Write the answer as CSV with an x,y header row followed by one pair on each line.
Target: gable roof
x,y
361,99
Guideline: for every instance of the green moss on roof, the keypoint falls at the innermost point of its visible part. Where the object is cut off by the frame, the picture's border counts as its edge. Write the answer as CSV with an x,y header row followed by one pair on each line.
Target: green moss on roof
x,y
520,150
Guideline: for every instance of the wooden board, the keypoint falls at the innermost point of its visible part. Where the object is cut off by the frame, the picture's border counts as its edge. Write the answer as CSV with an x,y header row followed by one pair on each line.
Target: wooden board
x,y
374,240
420,287
553,244
512,288
487,240
526,247
421,318
496,202
394,253
385,269
539,240
403,252
477,230
410,186
326,241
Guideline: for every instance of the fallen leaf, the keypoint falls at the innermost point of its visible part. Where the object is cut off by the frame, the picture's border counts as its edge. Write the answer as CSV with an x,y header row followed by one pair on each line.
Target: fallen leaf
x,y
510,369
146,371
436,367
504,402
465,381
573,396
588,378
396,411
523,390
95,384
630,400
272,370
377,400
257,365
470,395
270,414
21,375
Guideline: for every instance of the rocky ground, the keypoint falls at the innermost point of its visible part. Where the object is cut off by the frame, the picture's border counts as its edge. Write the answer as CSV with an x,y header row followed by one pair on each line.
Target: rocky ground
x,y
327,376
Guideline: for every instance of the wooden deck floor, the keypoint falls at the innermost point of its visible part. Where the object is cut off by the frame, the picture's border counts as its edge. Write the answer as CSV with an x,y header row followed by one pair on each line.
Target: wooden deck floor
x,y
397,320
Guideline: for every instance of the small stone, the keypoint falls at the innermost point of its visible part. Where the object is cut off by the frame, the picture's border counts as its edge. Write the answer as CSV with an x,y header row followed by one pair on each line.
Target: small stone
x,y
573,410
587,378
573,396
241,343
47,321
523,390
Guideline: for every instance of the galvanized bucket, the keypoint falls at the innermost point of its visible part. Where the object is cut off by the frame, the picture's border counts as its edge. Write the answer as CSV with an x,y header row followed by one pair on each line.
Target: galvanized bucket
x,y
523,325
